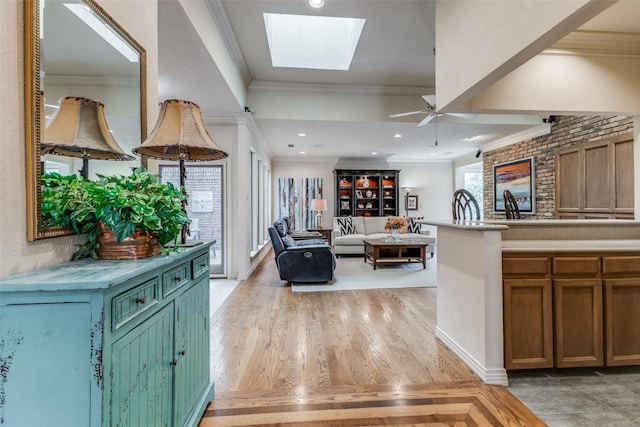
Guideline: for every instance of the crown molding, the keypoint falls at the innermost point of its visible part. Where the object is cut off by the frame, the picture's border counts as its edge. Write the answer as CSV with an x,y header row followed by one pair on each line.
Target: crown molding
x,y
260,86
598,43
221,19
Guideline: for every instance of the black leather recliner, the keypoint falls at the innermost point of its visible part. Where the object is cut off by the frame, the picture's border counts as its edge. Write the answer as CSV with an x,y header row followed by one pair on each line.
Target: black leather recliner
x,y
302,261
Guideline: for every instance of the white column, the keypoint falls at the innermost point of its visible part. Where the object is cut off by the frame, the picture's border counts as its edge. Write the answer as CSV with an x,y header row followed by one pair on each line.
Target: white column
x,y
469,318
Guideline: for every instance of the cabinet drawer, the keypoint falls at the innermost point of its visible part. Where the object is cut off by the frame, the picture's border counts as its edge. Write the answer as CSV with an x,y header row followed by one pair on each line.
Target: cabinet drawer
x,y
132,303
621,264
576,265
533,265
200,265
173,279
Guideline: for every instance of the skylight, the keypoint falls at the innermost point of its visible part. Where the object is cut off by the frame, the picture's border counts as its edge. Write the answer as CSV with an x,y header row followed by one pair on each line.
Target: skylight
x,y
317,42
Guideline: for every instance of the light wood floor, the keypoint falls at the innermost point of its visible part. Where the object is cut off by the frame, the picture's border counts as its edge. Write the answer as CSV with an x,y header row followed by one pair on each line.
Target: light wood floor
x,y
343,358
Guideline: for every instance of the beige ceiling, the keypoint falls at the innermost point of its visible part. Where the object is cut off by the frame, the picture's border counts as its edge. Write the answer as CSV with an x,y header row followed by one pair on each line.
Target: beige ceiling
x,y
345,114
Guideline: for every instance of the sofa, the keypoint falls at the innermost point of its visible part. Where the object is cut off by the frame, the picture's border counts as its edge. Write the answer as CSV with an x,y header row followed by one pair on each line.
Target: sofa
x,y
301,261
349,232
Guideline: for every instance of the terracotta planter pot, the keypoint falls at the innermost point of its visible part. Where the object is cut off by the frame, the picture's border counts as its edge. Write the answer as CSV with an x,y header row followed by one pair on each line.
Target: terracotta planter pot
x,y
141,244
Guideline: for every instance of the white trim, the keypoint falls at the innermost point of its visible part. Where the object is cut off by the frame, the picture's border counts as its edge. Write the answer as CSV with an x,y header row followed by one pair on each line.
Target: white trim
x,y
219,15
497,376
261,86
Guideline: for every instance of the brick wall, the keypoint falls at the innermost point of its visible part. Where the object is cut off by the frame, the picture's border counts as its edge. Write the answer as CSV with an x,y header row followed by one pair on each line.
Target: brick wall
x,y
565,132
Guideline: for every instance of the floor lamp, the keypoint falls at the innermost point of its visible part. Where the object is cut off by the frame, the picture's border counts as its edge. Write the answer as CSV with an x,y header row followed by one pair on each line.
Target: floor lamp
x,y
79,129
180,135
407,191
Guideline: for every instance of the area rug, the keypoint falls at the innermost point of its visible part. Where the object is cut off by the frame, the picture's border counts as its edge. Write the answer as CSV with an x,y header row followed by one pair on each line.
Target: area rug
x,y
354,274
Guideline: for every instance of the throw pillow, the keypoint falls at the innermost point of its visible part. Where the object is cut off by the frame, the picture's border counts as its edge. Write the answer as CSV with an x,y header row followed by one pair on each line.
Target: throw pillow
x,y
413,226
346,225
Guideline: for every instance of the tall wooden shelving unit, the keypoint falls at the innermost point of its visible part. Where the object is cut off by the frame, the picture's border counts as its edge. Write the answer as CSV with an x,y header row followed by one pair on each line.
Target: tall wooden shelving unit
x,y
366,192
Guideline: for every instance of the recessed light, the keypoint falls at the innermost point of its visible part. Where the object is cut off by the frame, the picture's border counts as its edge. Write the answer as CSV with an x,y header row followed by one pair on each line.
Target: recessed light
x,y
302,134
374,153
469,138
316,3
290,145
302,152
397,135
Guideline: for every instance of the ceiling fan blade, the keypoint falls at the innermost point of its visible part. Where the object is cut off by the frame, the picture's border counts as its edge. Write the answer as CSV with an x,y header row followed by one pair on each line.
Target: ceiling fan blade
x,y
427,119
462,115
408,113
430,99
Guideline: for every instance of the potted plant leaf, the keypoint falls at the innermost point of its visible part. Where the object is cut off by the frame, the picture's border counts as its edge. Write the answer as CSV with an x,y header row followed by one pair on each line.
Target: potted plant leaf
x,y
124,217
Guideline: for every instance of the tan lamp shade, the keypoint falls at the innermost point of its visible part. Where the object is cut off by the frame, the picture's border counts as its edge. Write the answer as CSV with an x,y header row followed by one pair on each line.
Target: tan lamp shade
x,y
79,129
318,205
180,134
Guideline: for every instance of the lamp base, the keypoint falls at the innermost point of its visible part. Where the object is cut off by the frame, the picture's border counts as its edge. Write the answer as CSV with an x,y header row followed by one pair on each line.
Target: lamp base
x,y
319,220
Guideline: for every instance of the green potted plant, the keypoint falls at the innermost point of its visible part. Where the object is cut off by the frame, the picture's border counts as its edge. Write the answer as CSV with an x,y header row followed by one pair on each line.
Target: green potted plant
x,y
124,217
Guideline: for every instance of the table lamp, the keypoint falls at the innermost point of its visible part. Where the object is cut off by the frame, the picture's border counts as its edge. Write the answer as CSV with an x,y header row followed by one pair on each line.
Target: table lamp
x,y
79,129
179,134
318,205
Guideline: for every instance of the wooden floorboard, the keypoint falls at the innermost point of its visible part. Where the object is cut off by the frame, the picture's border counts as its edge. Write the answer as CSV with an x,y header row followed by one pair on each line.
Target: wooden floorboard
x,y
343,358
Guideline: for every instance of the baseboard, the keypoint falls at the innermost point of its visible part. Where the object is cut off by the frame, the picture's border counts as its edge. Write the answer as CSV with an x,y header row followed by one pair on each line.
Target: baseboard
x,y
496,376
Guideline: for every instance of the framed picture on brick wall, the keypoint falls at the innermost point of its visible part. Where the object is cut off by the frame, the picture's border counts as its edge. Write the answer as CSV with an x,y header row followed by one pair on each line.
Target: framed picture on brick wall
x,y
518,177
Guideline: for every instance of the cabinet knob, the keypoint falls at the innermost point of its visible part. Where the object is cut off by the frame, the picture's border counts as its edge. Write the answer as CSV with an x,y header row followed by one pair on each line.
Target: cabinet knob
x,y
174,362
141,300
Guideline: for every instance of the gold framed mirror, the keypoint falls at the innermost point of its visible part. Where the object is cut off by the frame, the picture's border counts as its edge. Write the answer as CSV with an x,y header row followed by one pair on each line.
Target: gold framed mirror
x,y
74,48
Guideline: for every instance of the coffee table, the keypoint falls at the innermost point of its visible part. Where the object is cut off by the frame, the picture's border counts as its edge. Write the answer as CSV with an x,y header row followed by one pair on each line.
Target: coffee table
x,y
387,251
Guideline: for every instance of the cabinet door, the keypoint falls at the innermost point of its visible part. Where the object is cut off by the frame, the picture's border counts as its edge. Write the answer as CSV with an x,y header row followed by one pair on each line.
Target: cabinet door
x,y
622,314
141,370
578,322
192,348
528,329
45,364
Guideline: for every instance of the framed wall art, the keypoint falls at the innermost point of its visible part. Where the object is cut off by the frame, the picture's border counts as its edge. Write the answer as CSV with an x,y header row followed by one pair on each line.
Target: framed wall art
x,y
412,203
518,177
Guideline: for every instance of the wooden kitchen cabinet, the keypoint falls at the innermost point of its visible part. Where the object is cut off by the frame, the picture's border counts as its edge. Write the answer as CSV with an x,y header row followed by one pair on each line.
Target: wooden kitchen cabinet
x,y
528,323
571,309
578,322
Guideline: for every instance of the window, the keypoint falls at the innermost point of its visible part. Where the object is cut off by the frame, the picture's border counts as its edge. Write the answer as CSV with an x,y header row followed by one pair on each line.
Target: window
x,y
260,194
473,182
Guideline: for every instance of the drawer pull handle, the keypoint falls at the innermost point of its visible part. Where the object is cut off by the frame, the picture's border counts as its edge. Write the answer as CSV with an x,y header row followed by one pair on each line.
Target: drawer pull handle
x,y
177,278
141,300
174,362
181,353
203,265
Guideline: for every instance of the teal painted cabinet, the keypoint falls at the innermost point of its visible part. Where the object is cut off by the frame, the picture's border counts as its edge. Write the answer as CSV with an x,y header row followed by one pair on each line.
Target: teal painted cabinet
x,y
107,343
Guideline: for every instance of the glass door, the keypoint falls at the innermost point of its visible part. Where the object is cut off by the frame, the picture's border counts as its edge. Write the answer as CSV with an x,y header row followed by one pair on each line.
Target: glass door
x,y
205,208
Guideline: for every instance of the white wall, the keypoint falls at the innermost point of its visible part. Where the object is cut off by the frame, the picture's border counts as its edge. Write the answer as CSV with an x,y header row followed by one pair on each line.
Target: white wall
x,y
304,169
140,20
432,182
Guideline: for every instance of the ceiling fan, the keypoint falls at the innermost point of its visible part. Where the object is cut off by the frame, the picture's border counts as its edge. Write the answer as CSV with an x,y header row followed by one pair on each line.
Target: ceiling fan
x,y
431,110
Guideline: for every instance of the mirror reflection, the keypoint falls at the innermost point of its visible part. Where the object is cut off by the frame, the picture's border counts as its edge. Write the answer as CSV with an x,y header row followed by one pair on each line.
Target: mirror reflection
x,y
83,55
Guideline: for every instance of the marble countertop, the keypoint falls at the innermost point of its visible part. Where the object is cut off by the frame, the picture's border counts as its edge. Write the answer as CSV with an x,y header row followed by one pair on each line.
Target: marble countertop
x,y
618,245
466,225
